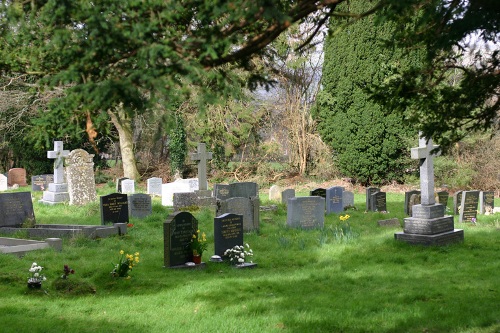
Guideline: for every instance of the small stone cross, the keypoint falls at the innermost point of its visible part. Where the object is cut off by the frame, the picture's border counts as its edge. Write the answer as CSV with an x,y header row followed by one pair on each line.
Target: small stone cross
x,y
423,153
202,156
58,154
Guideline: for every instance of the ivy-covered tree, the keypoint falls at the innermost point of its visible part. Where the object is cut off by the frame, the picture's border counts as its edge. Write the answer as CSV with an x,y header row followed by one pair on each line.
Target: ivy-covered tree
x,y
370,146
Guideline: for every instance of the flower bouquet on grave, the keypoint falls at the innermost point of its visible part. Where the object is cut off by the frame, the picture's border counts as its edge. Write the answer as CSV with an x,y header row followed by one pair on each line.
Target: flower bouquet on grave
x,y
198,245
239,254
125,264
36,278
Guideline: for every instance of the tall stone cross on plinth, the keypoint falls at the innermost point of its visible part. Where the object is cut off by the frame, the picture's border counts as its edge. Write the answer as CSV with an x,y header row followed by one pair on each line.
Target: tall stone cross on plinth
x,y
202,156
428,225
423,153
58,154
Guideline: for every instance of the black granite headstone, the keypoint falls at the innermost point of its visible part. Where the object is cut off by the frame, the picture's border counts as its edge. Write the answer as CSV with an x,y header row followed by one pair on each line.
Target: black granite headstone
x,y
318,192
41,182
457,201
15,209
178,231
114,208
369,192
378,202
468,208
228,232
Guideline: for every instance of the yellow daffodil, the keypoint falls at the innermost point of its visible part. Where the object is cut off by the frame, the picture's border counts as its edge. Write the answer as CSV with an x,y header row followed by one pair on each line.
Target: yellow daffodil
x,y
122,252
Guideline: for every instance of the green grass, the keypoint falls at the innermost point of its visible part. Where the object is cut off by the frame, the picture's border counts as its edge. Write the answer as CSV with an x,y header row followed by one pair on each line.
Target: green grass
x,y
348,277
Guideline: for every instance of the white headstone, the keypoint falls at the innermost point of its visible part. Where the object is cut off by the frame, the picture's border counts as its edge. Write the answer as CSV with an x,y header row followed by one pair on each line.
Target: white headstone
x,y
275,193
179,186
154,186
3,183
128,186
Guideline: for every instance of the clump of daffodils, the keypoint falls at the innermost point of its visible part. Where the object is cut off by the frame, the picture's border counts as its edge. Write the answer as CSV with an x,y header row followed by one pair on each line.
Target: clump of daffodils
x,y
344,217
239,254
125,264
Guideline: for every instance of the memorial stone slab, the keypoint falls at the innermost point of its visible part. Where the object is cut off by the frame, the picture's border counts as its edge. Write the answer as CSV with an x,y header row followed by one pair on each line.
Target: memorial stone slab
x,y
486,202
379,202
16,209
442,198
154,186
369,192
41,182
334,203
228,232
114,208
17,176
457,201
287,194
128,186
468,207
408,204
3,183
306,212
80,175
139,205
119,184
275,193
348,199
178,231
247,207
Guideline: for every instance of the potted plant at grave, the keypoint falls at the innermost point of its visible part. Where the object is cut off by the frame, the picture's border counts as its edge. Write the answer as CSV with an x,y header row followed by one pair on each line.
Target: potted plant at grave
x,y
36,278
239,254
198,246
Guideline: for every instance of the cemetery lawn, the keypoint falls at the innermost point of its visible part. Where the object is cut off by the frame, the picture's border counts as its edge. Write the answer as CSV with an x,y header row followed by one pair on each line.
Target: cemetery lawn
x,y
352,276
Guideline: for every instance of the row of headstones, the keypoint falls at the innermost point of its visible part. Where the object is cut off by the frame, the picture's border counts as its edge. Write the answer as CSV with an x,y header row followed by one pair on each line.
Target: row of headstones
x,y
14,177
466,204
180,226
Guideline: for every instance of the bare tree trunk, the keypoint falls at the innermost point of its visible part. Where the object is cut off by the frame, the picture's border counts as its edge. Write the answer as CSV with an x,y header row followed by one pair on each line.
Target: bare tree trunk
x,y
123,124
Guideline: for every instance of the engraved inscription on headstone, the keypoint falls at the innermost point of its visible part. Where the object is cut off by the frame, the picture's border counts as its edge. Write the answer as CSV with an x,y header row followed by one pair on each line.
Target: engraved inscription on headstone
x,y
378,201
139,205
41,182
114,208
468,208
306,212
247,207
334,202
442,198
177,233
16,209
228,232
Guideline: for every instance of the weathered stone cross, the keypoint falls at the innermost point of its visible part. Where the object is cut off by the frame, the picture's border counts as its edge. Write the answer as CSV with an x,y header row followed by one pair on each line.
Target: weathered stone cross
x,y
58,154
423,153
202,156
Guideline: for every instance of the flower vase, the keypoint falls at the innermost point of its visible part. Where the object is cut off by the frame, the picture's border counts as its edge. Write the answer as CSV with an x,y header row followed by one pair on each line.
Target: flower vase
x,y
34,284
197,259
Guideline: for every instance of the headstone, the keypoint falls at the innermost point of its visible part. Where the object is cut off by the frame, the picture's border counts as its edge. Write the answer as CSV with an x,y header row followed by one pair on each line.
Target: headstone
x,y
191,200
154,186
139,205
247,207
228,232
128,186
369,192
318,192
80,175
119,184
3,183
408,204
178,186
178,231
15,209
347,199
202,156
486,202
442,198
457,201
334,203
41,182
306,212
114,208
17,176
58,190
235,190
275,193
287,194
379,202
428,225
414,200
468,207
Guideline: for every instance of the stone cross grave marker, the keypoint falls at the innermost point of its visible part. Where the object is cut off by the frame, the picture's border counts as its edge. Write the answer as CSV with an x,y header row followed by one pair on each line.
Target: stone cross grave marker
x,y
202,156
228,232
58,155
423,154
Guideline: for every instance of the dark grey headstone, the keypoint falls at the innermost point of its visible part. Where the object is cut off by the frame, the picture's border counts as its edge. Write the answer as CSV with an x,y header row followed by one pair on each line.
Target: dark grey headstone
x,y
228,232
15,209
187,200
41,182
306,212
222,191
114,208
457,201
347,199
486,202
468,208
287,194
119,184
378,202
178,231
236,190
443,198
415,199
369,192
408,195
318,192
139,205
334,202
248,207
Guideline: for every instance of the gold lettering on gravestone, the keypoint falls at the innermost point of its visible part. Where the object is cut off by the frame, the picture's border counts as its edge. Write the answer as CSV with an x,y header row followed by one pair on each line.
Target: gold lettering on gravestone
x,y
183,232
113,205
223,192
231,228
470,207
